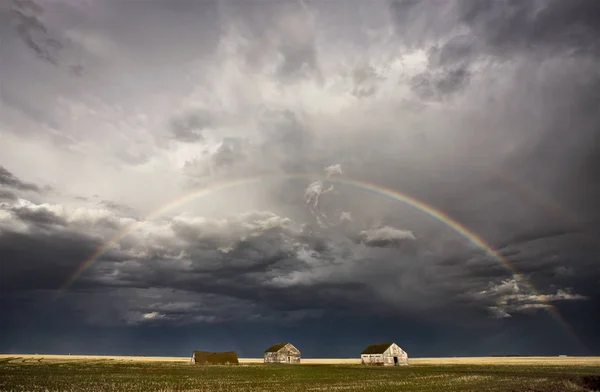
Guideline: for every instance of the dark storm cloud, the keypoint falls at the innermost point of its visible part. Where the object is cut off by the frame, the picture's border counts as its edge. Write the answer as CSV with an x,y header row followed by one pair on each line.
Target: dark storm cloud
x,y
25,16
253,268
38,216
47,243
573,27
486,111
498,30
7,195
259,258
430,85
10,180
499,27
280,32
248,270
118,207
280,278
188,127
42,259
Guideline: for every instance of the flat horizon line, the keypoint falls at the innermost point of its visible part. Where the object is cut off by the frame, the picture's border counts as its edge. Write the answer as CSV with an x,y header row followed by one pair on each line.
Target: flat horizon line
x,y
499,360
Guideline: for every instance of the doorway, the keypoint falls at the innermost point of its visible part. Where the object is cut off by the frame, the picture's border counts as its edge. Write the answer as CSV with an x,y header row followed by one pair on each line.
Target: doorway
x,y
395,361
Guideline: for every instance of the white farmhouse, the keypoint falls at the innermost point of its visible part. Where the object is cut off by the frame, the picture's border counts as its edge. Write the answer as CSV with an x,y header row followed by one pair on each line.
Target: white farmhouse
x,y
282,353
384,354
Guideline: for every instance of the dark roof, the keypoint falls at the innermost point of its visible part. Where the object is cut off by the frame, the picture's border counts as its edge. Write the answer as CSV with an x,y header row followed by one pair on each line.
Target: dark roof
x,y
215,358
378,348
276,347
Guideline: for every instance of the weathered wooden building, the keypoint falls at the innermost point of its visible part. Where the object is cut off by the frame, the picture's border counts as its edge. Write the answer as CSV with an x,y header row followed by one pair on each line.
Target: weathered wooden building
x,y
384,354
215,358
282,353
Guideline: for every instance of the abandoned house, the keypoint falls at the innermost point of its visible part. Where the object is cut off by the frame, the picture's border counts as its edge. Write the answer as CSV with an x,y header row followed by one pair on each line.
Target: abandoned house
x,y
384,354
282,353
215,358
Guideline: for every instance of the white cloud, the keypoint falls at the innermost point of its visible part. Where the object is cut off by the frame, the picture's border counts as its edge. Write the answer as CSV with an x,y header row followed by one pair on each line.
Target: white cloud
x,y
153,316
512,296
333,170
345,216
385,236
312,196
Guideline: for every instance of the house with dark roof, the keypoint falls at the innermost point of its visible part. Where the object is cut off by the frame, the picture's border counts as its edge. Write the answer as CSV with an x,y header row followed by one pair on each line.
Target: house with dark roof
x,y
282,353
215,358
384,354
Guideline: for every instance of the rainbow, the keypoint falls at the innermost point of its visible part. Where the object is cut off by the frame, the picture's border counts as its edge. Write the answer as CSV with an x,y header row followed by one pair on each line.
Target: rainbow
x,y
366,186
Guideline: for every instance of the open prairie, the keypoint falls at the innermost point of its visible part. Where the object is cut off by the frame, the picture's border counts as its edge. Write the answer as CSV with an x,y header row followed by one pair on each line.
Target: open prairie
x,y
100,373
556,360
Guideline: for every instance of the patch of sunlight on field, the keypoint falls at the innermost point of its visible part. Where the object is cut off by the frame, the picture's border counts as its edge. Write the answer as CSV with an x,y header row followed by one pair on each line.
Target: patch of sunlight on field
x,y
61,358
585,361
142,374
563,361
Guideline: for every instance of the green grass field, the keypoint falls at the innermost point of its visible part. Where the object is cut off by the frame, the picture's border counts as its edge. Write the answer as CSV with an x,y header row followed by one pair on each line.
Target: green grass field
x,y
88,376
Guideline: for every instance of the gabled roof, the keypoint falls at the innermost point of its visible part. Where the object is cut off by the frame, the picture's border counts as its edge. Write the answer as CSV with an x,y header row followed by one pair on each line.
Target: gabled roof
x,y
378,348
276,347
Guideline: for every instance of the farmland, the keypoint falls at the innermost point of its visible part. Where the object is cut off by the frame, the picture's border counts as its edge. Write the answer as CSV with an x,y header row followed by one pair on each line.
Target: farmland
x,y
27,373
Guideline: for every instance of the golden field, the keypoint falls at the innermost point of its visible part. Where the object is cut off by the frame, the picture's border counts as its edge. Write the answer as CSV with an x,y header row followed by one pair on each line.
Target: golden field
x,y
581,361
79,373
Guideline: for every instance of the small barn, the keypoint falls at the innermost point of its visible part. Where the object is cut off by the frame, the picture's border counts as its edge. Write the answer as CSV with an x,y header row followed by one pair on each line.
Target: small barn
x,y
384,354
215,358
282,353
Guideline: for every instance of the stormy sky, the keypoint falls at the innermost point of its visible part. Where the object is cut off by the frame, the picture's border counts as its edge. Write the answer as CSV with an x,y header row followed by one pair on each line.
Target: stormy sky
x,y
219,145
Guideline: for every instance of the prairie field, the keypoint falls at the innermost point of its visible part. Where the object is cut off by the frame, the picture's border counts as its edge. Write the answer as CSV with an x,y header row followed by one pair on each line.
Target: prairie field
x,y
87,374
565,361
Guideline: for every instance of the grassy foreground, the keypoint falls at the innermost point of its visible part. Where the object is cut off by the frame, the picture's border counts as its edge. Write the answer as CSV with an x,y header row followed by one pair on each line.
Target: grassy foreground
x,y
103,375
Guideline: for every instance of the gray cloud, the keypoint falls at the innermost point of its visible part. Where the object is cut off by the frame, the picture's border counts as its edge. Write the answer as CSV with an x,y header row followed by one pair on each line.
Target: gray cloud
x,y
279,34
37,215
229,154
7,195
288,139
366,80
259,261
440,83
26,18
552,25
498,28
10,180
188,127
483,110
118,207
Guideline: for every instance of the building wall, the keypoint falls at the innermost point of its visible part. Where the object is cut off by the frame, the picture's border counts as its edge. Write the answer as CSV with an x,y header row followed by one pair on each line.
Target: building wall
x,y
271,357
215,358
395,351
372,359
288,354
387,358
